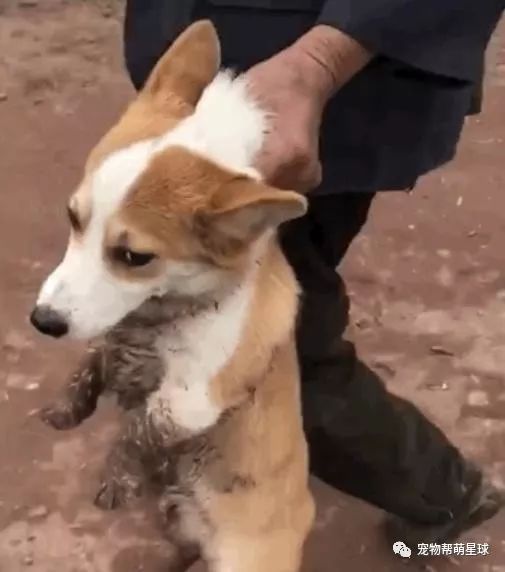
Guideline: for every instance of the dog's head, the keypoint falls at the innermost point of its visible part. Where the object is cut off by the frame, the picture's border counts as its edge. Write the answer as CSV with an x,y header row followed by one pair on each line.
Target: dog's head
x,y
169,203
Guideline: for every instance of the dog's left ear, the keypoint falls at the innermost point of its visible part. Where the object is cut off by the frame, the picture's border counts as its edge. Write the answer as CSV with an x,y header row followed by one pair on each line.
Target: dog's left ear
x,y
245,208
188,66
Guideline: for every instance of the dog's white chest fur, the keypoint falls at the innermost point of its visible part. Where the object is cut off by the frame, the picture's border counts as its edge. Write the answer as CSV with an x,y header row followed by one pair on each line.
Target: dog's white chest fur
x,y
194,349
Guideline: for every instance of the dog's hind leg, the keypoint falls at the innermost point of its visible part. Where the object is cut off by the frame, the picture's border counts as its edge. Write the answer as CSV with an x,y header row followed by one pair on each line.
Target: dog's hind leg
x,y
250,538
275,552
80,397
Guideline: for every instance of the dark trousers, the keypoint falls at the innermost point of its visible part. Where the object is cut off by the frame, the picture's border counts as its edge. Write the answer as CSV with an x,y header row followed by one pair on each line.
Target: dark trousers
x,y
362,439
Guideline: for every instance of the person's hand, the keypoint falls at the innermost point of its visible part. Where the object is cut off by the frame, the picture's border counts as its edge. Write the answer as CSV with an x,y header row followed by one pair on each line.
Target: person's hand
x,y
282,85
294,86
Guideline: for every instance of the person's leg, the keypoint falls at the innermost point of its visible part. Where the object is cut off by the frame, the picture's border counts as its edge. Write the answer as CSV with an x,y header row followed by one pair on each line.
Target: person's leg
x,y
362,439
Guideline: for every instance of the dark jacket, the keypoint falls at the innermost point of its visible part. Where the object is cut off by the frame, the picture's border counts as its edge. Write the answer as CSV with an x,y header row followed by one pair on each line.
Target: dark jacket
x,y
394,121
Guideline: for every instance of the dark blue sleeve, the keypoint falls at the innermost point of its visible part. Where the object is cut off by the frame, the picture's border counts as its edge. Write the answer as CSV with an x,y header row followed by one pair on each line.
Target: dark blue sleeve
x,y
445,37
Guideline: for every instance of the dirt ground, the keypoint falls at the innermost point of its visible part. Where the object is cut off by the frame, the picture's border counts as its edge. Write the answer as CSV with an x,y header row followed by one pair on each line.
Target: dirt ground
x,y
426,277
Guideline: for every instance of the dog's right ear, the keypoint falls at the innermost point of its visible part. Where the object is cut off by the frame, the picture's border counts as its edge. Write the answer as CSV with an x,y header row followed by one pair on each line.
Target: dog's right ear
x,y
243,209
188,66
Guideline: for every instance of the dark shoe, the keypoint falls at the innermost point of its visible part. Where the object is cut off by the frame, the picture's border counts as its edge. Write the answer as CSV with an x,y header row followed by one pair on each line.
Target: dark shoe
x,y
481,502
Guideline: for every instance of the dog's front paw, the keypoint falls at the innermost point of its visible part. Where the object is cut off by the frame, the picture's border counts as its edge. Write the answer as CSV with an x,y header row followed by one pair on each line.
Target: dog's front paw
x,y
114,493
60,416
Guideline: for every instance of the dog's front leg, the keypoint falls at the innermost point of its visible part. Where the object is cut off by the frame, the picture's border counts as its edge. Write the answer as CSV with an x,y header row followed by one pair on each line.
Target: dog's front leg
x,y
144,455
127,467
80,396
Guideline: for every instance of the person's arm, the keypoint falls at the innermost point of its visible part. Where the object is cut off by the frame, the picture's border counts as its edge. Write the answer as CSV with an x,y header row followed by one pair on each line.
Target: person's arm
x,y
294,87
330,56
443,37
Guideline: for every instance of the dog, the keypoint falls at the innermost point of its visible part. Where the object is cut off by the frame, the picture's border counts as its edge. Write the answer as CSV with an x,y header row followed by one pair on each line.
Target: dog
x,y
174,273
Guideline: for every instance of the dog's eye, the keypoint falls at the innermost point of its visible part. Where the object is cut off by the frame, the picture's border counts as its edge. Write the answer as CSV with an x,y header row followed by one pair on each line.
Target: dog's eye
x,y
130,258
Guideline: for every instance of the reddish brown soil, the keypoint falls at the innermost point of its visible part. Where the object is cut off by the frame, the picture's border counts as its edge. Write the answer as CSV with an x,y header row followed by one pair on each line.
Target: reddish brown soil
x,y
428,271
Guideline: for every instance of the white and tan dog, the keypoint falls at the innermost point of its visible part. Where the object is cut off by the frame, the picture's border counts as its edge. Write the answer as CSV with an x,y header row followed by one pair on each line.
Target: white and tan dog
x,y
173,262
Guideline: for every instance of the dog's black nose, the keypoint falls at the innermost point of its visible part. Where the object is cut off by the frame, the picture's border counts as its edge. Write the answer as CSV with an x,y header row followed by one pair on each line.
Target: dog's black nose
x,y
48,322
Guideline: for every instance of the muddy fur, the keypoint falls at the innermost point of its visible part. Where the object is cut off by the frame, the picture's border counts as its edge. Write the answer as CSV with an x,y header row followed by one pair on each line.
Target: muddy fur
x,y
127,365
143,459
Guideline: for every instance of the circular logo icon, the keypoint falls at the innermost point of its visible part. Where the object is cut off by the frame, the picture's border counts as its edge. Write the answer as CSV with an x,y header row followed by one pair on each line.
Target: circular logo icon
x,y
402,549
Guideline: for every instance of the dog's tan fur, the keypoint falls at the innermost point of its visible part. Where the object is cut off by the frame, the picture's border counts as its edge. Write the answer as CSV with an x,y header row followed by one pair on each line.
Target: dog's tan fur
x,y
240,487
